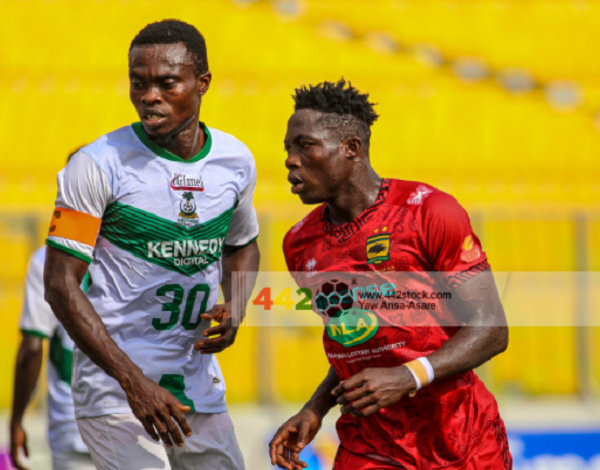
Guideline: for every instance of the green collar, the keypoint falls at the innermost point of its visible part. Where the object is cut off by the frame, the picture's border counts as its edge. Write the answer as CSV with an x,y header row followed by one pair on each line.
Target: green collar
x,y
164,153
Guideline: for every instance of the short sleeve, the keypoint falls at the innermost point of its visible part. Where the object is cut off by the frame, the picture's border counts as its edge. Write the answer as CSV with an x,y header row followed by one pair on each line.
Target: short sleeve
x,y
244,223
83,194
37,318
450,243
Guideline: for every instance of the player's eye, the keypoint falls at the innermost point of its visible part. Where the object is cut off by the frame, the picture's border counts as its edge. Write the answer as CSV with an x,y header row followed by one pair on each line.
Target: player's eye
x,y
136,84
169,84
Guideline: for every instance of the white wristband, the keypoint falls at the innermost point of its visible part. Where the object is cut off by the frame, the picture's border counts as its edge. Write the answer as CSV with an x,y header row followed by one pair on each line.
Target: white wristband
x,y
428,368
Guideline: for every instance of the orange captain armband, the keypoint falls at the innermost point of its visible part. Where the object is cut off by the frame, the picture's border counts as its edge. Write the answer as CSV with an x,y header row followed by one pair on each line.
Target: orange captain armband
x,y
74,225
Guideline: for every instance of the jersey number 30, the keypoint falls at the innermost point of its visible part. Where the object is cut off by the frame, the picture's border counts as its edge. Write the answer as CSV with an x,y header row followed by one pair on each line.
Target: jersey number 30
x,y
178,293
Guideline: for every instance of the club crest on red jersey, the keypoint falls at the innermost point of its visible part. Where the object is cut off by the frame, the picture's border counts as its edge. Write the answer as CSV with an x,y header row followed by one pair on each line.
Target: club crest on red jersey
x,y
378,247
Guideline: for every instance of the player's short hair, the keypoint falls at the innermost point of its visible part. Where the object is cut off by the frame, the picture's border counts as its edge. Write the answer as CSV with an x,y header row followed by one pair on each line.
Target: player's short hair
x,y
171,32
348,109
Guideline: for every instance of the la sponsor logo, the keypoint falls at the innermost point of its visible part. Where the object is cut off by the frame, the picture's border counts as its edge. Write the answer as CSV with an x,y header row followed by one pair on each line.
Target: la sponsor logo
x,y
352,327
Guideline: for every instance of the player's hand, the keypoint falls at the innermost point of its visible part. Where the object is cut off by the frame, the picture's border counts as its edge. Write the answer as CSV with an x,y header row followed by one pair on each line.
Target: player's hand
x,y
292,437
18,445
158,410
372,389
224,333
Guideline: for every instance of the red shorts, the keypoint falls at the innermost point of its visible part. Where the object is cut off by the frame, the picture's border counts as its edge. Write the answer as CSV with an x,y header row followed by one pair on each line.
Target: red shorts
x,y
492,454
346,460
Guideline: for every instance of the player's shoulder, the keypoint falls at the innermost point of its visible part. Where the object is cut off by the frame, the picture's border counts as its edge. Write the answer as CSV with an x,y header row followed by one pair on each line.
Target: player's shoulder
x,y
110,148
223,142
421,197
297,235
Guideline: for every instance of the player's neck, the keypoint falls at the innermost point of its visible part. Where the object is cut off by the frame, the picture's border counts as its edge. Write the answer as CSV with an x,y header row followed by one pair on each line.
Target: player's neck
x,y
184,143
354,198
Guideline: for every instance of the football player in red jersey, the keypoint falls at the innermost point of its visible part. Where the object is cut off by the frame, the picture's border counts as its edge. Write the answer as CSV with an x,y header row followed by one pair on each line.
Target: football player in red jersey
x,y
408,394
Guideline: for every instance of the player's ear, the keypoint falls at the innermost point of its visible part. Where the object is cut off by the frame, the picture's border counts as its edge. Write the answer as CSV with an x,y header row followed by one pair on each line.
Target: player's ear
x,y
353,147
203,82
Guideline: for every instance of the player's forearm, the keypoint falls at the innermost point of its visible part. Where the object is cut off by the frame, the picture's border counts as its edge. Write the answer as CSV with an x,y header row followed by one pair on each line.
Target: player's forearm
x,y
485,334
322,400
469,348
85,327
243,260
27,371
63,274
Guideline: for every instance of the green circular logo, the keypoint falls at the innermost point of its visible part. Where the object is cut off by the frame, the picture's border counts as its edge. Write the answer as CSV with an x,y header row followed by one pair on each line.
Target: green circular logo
x,y
352,327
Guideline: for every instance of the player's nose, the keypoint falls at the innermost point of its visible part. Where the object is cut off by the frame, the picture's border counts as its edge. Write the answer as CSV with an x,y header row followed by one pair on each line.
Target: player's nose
x,y
292,161
151,95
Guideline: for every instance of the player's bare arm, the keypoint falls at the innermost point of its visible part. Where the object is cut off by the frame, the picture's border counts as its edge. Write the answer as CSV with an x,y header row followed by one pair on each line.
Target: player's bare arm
x,y
300,429
155,407
484,335
235,259
27,371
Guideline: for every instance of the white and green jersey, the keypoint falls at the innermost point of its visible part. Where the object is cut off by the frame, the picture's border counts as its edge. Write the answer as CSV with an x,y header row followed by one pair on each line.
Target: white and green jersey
x,y
156,263
37,319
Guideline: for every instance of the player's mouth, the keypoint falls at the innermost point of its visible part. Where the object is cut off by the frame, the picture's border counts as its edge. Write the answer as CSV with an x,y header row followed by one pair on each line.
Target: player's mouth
x,y
297,183
152,119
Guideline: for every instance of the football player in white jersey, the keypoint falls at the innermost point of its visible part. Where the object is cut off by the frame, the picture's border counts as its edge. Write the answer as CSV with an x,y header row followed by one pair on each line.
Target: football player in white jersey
x,y
159,214
37,324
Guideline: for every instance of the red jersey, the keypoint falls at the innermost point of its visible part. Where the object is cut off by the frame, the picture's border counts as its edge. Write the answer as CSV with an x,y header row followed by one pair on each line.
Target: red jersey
x,y
397,263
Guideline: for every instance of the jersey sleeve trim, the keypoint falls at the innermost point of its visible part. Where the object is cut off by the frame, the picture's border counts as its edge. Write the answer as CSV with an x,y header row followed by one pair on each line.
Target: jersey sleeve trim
x,y
456,279
70,251
75,225
244,245
38,334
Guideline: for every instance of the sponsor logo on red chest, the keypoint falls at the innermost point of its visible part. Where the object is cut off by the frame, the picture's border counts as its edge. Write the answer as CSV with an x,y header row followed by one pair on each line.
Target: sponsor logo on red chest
x,y
418,195
181,182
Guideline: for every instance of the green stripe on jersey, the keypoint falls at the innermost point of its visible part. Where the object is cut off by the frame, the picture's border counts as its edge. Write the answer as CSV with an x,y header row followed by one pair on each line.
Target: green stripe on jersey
x,y
175,384
186,250
66,249
39,334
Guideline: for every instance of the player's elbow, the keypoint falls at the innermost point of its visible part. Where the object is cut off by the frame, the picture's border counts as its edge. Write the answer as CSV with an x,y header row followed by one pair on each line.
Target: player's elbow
x,y
55,294
50,292
500,339
32,346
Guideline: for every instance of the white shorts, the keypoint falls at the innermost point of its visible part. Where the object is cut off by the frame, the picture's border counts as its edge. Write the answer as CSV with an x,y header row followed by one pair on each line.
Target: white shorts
x,y
119,442
71,460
